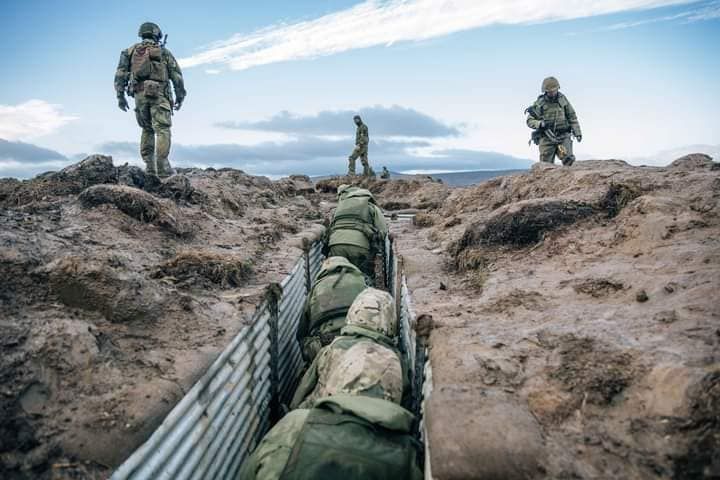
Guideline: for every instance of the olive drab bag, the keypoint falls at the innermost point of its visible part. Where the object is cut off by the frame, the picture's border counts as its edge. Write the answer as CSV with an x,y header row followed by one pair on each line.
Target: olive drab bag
x,y
149,69
354,213
348,445
334,291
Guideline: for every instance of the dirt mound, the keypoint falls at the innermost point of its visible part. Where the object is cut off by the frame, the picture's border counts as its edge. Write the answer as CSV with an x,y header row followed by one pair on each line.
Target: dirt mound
x,y
101,285
138,204
110,308
524,223
693,161
586,296
421,193
198,267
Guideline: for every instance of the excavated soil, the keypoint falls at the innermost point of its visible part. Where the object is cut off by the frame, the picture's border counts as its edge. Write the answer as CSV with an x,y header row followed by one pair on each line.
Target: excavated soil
x,y
118,291
576,322
573,315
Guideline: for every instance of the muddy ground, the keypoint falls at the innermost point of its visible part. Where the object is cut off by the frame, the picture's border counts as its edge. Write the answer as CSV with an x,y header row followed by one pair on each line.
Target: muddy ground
x,y
575,313
576,322
116,294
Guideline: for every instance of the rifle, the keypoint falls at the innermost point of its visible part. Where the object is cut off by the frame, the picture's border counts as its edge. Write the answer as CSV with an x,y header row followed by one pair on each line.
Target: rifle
x,y
164,42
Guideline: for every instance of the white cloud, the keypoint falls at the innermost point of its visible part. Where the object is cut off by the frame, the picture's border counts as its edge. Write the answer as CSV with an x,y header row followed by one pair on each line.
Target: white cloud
x,y
376,22
31,119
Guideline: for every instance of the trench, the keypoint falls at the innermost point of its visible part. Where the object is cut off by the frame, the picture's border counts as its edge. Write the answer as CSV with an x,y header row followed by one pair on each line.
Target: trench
x,y
224,416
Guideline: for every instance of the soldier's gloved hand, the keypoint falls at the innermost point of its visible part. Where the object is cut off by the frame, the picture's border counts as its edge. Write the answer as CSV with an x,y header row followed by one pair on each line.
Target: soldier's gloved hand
x,y
542,124
578,138
122,103
178,103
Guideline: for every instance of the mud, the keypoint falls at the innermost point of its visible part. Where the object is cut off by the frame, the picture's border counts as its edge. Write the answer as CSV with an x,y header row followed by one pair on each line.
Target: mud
x,y
542,274
118,291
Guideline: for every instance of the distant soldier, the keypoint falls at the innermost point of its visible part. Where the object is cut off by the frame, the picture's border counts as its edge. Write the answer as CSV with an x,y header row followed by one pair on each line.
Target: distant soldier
x,y
363,360
146,70
340,437
385,175
358,229
334,289
361,148
553,120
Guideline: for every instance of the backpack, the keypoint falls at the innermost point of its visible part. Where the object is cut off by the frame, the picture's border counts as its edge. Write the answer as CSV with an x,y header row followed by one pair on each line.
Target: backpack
x,y
333,293
354,213
339,443
147,63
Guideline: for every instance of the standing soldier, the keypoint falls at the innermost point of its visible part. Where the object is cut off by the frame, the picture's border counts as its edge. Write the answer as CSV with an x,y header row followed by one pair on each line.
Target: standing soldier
x,y
145,70
361,148
553,120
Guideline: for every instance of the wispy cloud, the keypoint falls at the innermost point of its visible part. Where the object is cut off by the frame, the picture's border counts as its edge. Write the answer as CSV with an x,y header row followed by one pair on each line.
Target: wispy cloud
x,y
698,13
392,121
378,22
31,119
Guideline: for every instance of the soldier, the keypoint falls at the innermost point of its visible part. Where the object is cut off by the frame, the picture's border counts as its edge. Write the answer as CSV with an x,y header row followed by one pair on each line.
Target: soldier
x,y
336,286
358,229
554,120
361,148
385,175
363,360
146,70
340,437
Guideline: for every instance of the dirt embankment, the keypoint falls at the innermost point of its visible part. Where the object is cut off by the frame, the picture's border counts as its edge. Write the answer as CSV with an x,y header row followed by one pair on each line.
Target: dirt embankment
x,y
577,327
117,293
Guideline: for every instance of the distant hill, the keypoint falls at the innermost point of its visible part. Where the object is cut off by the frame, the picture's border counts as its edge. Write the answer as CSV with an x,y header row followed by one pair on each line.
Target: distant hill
x,y
453,179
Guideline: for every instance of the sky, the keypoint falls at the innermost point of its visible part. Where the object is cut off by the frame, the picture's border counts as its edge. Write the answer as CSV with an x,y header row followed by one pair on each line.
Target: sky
x,y
442,84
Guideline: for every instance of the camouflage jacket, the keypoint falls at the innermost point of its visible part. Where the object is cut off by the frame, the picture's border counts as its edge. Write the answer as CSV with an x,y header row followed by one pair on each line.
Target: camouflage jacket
x,y
360,362
123,74
558,114
362,137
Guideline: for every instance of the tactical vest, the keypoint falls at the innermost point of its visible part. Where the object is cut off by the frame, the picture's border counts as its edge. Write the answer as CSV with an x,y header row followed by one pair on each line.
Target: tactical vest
x,y
147,63
354,213
348,447
554,113
332,295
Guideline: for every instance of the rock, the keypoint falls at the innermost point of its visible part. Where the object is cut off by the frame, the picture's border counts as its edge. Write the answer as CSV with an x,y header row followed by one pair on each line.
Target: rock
x,y
666,316
642,296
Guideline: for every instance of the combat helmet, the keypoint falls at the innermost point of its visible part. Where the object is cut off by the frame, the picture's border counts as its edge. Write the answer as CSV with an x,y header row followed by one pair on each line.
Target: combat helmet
x,y
550,83
374,310
149,29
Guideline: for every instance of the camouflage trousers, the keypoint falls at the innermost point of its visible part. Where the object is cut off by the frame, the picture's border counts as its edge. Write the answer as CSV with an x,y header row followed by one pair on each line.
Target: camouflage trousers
x,y
358,256
564,150
362,152
154,115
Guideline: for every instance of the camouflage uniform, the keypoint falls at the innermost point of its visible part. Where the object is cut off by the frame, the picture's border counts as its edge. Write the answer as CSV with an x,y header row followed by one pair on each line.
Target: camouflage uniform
x,y
153,113
340,437
334,289
363,360
358,229
362,139
557,116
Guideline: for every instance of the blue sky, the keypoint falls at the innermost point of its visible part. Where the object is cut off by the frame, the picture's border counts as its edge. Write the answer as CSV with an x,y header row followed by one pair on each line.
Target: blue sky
x,y
642,75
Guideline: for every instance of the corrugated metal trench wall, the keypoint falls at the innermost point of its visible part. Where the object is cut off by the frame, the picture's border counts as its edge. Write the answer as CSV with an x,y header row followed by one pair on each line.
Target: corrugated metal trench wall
x,y
226,413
